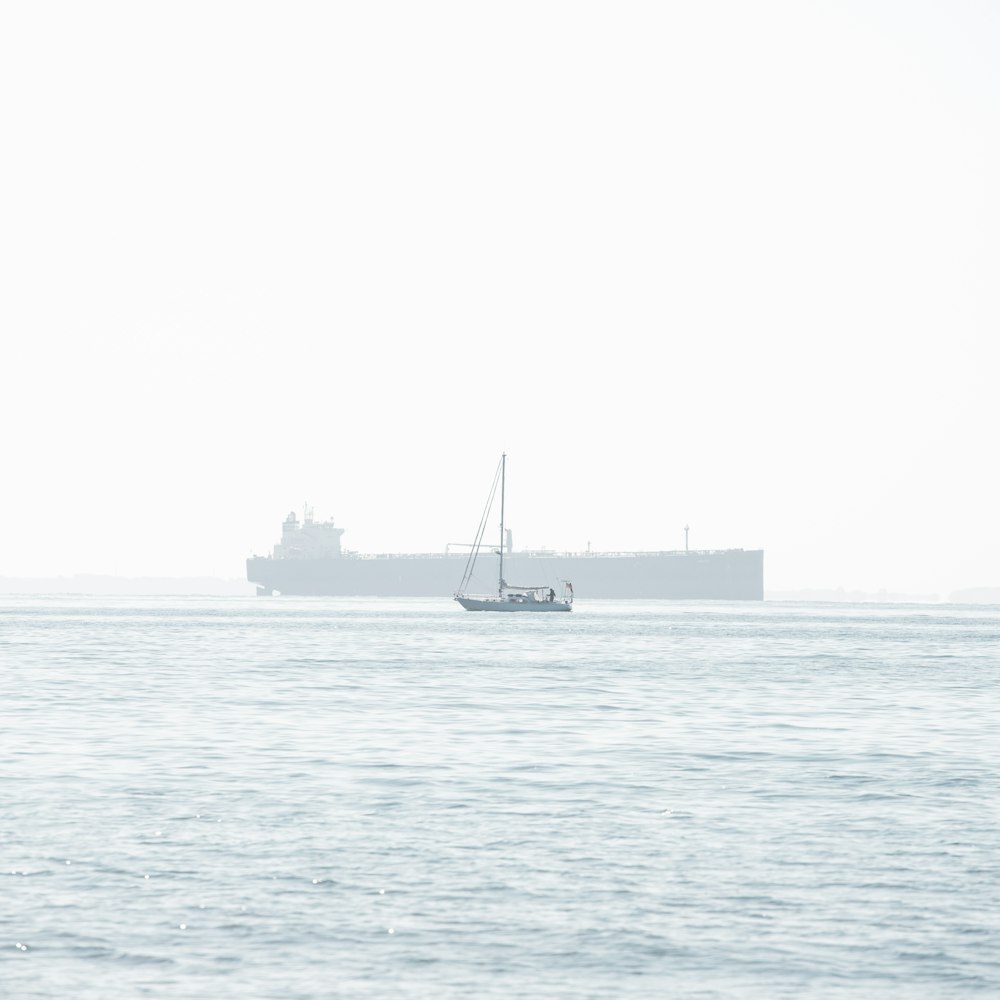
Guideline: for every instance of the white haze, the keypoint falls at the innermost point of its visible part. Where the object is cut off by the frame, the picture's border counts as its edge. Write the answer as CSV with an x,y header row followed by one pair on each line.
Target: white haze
x,y
726,264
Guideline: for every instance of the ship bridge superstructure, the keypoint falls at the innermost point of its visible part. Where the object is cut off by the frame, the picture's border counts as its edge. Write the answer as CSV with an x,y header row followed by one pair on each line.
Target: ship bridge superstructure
x,y
308,538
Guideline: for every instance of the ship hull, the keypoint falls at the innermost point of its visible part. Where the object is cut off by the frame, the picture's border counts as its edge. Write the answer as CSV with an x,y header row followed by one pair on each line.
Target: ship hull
x,y
728,575
495,604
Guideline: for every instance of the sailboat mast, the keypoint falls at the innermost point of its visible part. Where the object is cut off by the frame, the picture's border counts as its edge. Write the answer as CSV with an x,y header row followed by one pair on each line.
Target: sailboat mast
x,y
503,483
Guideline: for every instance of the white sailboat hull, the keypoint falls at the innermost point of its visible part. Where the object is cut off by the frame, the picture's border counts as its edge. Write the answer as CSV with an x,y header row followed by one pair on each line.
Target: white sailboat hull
x,y
507,604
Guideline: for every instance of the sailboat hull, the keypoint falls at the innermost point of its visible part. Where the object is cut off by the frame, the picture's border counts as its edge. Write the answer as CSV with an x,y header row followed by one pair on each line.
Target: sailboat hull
x,y
496,604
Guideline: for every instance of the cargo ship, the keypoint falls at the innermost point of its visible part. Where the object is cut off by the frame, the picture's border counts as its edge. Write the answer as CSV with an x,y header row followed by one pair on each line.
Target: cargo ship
x,y
309,561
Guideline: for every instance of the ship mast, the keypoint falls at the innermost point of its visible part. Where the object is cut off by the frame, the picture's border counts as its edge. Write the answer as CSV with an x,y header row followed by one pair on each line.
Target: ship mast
x,y
503,483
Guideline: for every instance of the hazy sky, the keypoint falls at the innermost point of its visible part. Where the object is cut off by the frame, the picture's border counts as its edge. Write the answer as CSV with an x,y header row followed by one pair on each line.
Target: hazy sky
x,y
721,263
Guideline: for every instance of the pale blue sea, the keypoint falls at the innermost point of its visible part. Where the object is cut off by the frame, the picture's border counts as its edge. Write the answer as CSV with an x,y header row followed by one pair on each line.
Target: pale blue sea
x,y
297,798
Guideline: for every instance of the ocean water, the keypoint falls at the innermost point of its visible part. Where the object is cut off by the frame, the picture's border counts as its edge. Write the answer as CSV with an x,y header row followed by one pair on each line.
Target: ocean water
x,y
299,798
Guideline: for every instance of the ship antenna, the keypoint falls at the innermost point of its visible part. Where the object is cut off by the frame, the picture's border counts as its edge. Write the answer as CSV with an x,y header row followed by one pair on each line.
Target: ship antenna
x,y
686,529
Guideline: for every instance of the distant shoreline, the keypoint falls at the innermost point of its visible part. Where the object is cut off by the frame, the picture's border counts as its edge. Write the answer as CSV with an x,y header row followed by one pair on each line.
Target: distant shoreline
x,y
125,586
969,595
95,585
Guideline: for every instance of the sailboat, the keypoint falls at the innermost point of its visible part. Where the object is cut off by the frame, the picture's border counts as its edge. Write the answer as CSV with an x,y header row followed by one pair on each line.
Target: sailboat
x,y
508,598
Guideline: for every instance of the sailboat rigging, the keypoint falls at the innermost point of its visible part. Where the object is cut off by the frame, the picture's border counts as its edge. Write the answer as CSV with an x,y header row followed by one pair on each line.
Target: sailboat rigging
x,y
508,598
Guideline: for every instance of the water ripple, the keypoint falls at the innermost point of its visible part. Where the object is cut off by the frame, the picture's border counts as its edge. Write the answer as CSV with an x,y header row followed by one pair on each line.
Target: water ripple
x,y
306,798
